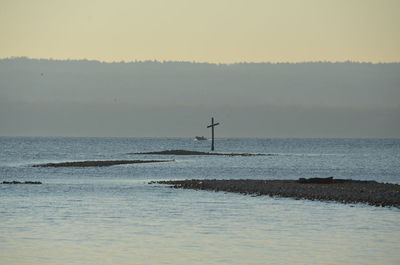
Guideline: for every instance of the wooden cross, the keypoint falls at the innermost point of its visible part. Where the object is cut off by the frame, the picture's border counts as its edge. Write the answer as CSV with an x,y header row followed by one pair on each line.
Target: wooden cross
x,y
212,125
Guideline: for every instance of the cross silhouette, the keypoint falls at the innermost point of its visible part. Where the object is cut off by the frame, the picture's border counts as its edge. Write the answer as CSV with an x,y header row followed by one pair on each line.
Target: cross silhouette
x,y
212,125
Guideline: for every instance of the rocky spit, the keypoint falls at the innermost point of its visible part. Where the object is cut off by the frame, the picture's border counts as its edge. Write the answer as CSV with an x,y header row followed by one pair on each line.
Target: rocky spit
x,y
21,182
324,189
197,153
96,163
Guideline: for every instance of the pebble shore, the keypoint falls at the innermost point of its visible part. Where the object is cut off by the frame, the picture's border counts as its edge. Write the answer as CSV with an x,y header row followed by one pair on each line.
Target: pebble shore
x,y
197,153
324,189
21,182
100,163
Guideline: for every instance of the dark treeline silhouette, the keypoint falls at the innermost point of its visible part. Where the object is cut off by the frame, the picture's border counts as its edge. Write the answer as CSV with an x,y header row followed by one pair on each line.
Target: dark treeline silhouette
x,y
310,99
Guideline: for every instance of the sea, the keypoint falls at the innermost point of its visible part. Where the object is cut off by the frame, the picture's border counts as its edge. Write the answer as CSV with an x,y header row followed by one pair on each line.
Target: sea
x,y
112,215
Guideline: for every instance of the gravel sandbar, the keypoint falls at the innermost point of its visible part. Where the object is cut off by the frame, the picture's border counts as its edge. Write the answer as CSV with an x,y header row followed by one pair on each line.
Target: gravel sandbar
x,y
324,189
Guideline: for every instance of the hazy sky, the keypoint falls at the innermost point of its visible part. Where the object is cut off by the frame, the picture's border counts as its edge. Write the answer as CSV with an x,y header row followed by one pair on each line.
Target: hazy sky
x,y
207,30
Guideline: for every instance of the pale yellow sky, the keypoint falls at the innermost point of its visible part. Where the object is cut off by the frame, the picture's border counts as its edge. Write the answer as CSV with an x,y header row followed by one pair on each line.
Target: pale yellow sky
x,y
216,31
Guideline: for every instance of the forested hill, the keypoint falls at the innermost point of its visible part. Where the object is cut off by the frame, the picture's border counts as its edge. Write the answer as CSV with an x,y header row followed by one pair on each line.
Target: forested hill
x,y
333,84
167,91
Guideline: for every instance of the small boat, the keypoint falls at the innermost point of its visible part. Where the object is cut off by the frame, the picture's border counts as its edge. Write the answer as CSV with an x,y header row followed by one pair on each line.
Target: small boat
x,y
200,138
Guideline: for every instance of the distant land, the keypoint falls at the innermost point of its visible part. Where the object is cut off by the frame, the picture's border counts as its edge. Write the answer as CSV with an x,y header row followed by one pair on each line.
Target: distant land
x,y
43,97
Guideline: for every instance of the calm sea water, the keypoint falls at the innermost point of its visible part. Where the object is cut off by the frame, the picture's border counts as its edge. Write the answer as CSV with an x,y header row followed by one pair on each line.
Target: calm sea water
x,y
110,215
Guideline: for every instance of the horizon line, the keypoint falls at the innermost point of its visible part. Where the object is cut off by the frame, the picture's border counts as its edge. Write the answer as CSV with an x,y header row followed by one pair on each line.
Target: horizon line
x,y
192,62
191,137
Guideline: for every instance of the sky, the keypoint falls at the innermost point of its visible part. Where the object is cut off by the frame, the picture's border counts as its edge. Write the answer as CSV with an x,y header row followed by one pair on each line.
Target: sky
x,y
216,31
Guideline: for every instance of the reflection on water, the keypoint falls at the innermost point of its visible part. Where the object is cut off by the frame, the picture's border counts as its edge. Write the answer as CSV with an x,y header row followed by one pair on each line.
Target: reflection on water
x,y
112,216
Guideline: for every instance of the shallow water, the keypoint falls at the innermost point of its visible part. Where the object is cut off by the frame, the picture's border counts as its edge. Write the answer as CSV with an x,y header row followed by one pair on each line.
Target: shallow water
x,y
112,216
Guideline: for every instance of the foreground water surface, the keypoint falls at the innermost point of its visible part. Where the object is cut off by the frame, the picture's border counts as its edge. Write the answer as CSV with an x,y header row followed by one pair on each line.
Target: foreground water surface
x,y
111,215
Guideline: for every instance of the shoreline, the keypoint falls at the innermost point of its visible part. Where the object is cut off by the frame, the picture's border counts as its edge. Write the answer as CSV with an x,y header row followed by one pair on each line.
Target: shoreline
x,y
99,163
322,189
21,182
198,153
